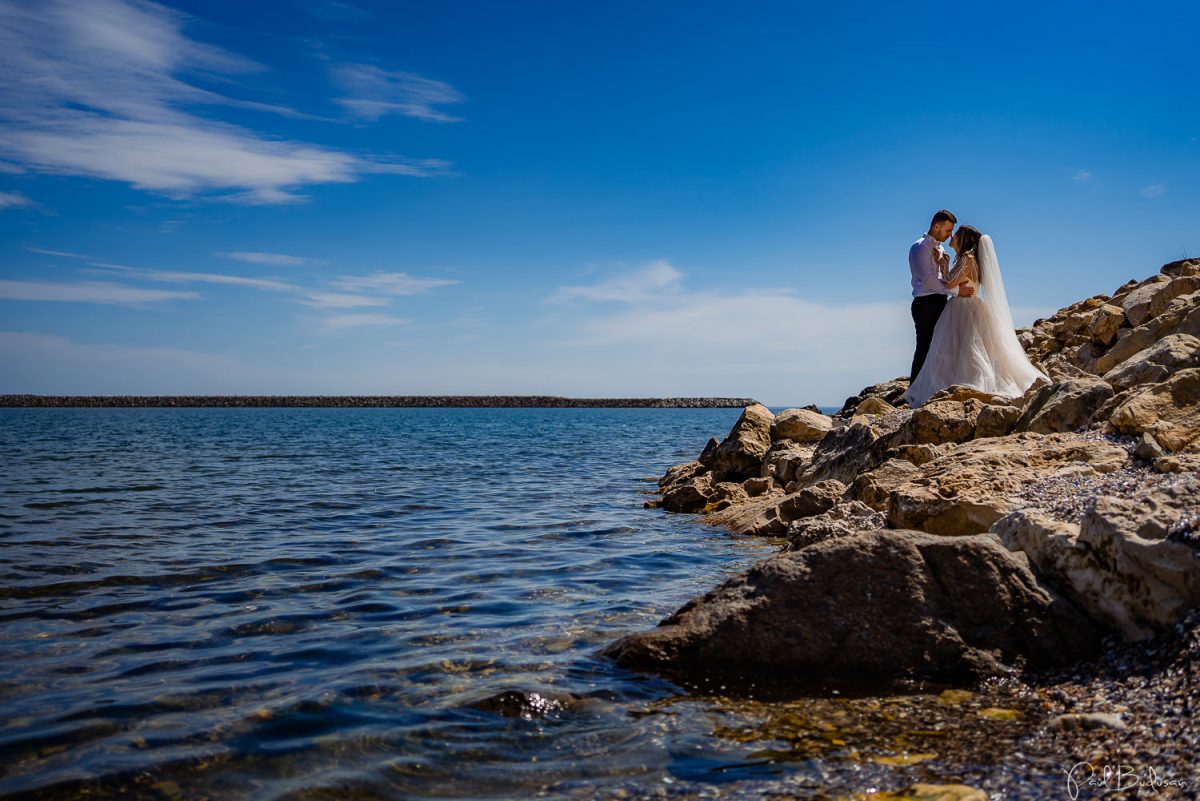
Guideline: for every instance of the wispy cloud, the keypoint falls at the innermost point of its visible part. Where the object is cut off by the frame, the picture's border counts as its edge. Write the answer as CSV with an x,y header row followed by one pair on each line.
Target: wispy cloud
x,y
334,10
88,292
340,300
179,277
100,92
269,258
1083,177
372,92
653,278
61,253
12,200
390,283
338,322
1154,190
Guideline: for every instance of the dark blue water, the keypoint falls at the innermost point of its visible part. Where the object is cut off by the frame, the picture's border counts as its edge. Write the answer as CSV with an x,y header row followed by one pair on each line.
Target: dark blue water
x,y
395,604
262,602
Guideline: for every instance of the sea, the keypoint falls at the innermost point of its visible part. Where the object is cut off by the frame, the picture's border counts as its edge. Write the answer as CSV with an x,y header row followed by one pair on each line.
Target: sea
x,y
333,603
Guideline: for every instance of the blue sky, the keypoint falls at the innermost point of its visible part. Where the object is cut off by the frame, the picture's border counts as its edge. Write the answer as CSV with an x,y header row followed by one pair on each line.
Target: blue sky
x,y
585,199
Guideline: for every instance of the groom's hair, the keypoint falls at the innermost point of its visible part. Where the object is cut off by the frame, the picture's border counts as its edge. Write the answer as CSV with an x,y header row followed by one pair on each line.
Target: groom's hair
x,y
943,216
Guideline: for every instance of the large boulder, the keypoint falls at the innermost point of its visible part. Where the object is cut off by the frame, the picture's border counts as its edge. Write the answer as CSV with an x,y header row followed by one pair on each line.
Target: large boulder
x,y
1123,563
967,489
890,392
1157,362
940,421
876,606
783,459
1136,304
1181,316
1169,411
1181,267
740,454
800,425
1106,321
689,495
1064,405
843,453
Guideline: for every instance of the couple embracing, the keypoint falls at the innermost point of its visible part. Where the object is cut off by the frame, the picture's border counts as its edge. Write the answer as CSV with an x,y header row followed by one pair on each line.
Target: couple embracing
x,y
967,338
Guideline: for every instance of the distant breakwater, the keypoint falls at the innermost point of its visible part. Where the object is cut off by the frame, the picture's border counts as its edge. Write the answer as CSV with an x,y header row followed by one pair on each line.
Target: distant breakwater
x,y
367,401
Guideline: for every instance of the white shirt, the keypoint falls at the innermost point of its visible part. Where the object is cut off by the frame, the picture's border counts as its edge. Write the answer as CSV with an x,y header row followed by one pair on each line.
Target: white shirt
x,y
927,275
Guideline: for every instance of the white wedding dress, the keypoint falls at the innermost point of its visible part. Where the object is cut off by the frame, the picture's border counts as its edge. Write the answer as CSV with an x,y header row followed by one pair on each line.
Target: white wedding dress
x,y
974,342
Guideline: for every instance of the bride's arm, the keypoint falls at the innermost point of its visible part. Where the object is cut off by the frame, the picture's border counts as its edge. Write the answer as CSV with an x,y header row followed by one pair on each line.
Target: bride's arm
x,y
960,273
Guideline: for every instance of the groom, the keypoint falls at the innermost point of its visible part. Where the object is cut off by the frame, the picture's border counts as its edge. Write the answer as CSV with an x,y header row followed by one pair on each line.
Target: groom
x,y
929,264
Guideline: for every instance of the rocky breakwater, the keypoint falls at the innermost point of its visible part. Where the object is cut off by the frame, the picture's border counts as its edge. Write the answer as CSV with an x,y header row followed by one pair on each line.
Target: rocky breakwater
x,y
974,536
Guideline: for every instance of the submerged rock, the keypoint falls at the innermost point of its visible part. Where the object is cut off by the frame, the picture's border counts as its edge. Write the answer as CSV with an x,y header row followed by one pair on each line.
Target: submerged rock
x,y
875,606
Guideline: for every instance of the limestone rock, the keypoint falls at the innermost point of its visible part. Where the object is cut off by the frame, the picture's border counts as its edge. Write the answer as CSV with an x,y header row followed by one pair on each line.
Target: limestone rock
x,y
1136,304
1157,362
972,486
740,454
842,454
891,392
1182,267
1184,285
963,393
800,425
996,421
680,472
1170,411
938,422
848,517
1064,405
1182,316
1105,322
874,405
784,458
876,605
770,515
756,486
875,487
689,495
1120,564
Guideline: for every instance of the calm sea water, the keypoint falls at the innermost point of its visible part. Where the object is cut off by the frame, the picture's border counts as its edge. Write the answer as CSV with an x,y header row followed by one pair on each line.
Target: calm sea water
x,y
268,603
375,603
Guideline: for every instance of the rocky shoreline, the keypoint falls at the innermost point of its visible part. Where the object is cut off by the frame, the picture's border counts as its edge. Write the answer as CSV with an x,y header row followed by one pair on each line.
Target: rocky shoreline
x,y
367,401
1049,542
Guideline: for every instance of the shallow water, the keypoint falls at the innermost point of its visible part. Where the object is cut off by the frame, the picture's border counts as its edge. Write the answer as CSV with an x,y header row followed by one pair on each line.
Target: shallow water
x,y
391,603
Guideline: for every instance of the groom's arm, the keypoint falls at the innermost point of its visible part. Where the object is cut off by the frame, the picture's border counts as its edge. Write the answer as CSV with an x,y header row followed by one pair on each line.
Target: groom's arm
x,y
923,263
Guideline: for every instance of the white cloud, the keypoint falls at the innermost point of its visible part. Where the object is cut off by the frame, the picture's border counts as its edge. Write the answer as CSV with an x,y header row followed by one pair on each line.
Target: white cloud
x,y
338,322
654,278
373,92
1154,190
178,277
98,91
1083,176
340,300
269,258
390,283
62,253
87,292
12,200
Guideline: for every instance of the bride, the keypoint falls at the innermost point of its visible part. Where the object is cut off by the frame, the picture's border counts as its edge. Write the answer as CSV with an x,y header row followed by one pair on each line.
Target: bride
x,y
974,343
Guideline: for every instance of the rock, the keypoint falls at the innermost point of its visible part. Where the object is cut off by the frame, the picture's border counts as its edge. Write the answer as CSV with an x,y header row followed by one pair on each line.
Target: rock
x,y
963,393
1178,463
1170,411
919,454
874,405
996,421
1182,316
1064,405
1136,304
969,488
842,520
680,472
842,454
1105,322
1119,564
740,454
891,392
726,494
938,422
1184,285
800,425
875,487
875,606
1060,368
1156,363
756,486
770,515
1086,721
1148,448
784,458
689,495
1181,267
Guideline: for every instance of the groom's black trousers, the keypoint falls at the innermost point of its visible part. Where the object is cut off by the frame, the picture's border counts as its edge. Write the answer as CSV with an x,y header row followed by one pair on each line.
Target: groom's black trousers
x,y
926,310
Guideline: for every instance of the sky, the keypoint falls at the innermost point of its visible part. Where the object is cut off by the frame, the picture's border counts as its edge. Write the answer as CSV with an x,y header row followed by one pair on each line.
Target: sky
x,y
616,199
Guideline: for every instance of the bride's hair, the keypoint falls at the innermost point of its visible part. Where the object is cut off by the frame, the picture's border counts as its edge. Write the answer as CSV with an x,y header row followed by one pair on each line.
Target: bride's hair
x,y
968,240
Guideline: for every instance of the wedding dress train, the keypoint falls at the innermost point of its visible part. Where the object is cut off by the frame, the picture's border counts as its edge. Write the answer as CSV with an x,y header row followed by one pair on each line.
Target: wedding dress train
x,y
974,342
